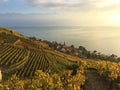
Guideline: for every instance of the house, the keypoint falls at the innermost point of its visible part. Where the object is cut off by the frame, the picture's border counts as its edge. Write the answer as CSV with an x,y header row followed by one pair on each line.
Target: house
x,y
0,76
63,50
58,47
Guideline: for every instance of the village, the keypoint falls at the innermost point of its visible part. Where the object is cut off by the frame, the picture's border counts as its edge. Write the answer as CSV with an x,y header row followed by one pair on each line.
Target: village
x,y
82,52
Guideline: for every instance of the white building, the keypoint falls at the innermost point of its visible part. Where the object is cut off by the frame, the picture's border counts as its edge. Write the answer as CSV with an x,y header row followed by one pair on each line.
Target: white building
x,y
0,76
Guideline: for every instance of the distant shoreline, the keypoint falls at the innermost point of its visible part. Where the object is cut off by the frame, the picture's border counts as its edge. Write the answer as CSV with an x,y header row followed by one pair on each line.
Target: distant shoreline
x,y
103,40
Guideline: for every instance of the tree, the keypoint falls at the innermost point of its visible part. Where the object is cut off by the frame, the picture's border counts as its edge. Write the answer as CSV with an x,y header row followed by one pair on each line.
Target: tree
x,y
72,46
84,50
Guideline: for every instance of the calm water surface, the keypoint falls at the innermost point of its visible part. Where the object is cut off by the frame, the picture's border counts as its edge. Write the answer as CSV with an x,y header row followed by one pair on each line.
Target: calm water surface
x,y
102,39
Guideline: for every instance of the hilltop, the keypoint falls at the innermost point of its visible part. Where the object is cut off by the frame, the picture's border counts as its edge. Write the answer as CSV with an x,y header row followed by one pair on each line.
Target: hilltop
x,y
9,31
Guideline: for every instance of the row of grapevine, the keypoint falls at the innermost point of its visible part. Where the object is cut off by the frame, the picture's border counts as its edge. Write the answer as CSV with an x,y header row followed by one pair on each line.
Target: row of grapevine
x,y
26,61
14,58
36,61
10,55
17,65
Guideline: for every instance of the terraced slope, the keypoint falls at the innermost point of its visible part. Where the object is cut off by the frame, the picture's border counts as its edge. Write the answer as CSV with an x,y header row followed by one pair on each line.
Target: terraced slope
x,y
23,56
36,61
13,58
24,62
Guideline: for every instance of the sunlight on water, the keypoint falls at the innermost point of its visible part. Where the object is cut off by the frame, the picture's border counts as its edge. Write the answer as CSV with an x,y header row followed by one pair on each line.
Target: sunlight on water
x,y
105,40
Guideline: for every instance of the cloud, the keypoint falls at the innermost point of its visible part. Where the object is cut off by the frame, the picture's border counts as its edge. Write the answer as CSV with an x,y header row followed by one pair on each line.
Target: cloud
x,y
3,1
108,3
74,19
52,3
17,19
59,4
62,12
74,4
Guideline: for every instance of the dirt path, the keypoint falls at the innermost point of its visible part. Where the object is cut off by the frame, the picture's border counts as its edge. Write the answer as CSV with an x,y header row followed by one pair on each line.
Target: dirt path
x,y
95,82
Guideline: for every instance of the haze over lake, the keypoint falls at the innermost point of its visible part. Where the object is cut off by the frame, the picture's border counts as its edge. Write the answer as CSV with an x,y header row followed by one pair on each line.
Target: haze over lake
x,y
103,39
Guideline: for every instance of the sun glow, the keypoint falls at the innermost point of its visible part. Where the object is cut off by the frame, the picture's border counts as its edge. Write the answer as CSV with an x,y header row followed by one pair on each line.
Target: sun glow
x,y
116,18
107,3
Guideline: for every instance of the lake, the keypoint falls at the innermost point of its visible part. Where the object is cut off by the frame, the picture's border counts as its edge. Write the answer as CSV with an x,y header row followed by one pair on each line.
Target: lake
x,y
103,39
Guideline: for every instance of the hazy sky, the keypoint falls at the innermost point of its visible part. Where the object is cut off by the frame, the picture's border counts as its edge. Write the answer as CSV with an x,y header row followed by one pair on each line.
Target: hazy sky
x,y
59,12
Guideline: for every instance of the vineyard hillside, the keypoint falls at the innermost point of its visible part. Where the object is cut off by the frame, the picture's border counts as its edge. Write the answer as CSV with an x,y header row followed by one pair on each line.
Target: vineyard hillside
x,y
23,56
30,64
